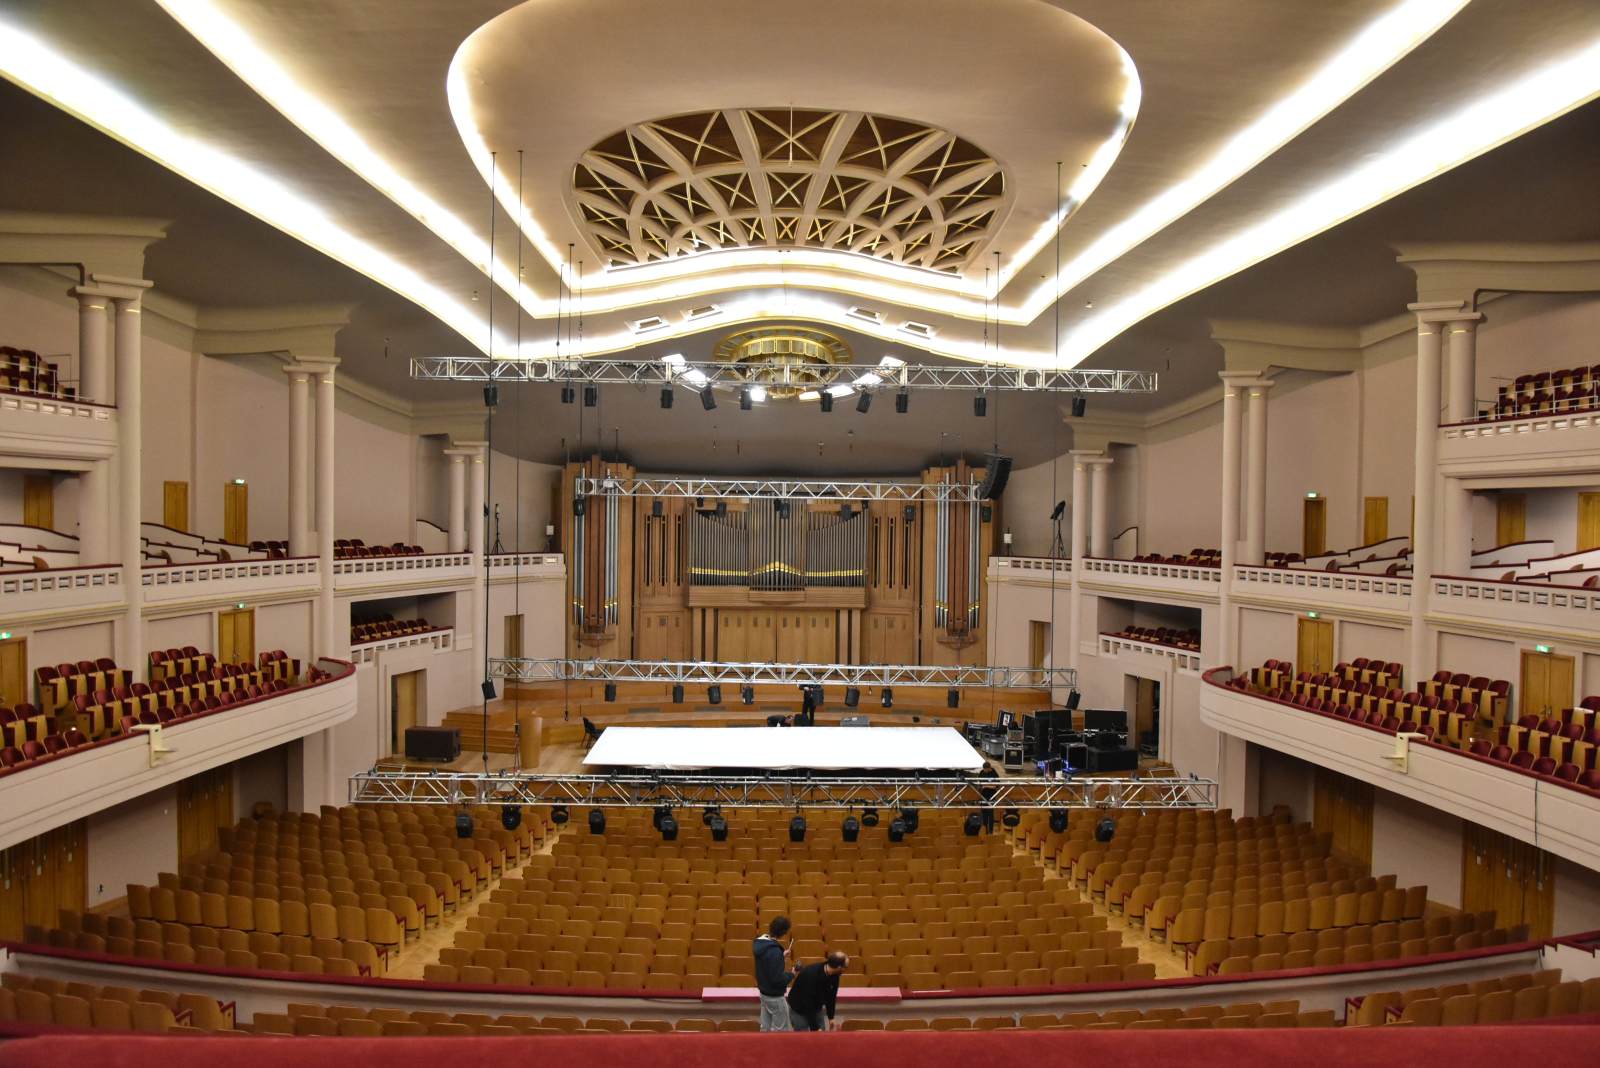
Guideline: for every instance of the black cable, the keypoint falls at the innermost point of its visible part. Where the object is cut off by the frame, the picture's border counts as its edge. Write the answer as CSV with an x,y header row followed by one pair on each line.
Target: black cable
x,y
488,453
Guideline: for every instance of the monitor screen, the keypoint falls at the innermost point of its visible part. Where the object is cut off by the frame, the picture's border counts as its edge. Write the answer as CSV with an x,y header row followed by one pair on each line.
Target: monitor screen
x,y
1105,719
1007,720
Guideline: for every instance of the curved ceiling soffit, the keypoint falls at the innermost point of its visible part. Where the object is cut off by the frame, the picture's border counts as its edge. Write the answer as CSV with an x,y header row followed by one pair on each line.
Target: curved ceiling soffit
x,y
1045,86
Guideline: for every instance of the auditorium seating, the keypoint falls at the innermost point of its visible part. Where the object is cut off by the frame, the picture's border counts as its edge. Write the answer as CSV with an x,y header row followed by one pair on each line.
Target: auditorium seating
x,y
1173,637
352,548
385,627
58,685
1570,389
1529,996
26,372
1193,558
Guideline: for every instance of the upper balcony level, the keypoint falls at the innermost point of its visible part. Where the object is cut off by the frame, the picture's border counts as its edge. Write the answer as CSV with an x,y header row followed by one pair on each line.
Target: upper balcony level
x,y
1183,581
1543,423
70,785
41,416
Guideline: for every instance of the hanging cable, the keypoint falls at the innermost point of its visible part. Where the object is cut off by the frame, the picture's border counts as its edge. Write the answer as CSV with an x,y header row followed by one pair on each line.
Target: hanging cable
x,y
1055,439
488,467
517,446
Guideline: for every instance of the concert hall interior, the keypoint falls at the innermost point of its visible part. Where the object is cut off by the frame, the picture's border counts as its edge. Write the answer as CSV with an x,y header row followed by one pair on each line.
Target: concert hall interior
x,y
1088,511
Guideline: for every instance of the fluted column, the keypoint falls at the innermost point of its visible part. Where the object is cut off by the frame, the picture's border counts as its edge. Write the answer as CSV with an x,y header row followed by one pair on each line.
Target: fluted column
x,y
1078,546
455,526
1099,507
126,298
1232,399
94,504
1461,338
1430,319
1255,511
327,640
300,542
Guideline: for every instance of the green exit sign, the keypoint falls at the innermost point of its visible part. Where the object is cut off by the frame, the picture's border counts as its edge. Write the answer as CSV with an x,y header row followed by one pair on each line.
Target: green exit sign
x,y
1313,615
1543,648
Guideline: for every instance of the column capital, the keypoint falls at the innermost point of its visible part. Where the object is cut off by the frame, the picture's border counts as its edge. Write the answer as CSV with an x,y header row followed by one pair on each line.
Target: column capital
x,y
1439,311
121,290
1099,460
460,456
91,296
1237,380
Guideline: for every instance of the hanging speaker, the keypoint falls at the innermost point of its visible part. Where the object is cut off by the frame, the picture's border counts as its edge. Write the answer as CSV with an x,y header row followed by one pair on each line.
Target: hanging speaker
x,y
995,475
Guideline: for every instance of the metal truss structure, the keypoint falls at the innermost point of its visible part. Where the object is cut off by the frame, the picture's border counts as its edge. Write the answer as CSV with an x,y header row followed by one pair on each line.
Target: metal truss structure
x,y
778,489
733,673
697,376
635,790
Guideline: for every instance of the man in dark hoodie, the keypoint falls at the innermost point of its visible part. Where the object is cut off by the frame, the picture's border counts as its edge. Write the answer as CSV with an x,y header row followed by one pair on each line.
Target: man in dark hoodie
x,y
772,975
815,993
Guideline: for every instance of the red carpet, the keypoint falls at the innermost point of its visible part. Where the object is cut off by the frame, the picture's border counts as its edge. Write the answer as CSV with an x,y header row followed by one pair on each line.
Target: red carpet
x,y
1465,1047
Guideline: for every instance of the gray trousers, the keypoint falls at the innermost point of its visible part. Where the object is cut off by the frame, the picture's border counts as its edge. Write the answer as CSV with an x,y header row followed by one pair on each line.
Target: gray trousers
x,y
774,1013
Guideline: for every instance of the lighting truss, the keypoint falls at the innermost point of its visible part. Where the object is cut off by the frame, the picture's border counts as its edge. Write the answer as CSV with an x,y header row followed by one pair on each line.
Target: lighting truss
x,y
779,489
727,672
635,790
697,376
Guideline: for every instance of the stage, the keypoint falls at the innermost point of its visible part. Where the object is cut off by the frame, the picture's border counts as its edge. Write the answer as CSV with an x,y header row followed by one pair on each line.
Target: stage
x,y
784,749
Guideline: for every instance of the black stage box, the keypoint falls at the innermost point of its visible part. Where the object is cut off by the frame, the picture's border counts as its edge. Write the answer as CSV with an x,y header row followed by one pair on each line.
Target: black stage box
x,y
433,743
1113,759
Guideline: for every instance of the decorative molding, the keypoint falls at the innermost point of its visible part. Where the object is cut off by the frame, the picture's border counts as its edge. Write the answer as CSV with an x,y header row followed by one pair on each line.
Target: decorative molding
x,y
1460,270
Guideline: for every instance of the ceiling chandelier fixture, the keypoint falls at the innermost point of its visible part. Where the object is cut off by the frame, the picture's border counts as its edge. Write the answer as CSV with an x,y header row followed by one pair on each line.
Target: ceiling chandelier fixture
x,y
785,360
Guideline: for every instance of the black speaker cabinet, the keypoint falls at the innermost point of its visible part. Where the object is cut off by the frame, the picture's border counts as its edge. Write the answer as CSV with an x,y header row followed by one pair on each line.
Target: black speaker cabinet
x,y
1113,759
996,472
433,743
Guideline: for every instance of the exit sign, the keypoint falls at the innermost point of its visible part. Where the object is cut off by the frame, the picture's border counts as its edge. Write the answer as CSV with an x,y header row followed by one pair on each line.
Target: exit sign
x,y
1543,648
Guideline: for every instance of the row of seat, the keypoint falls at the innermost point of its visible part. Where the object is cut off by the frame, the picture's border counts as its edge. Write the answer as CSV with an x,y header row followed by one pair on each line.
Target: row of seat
x,y
1173,637
1529,996
378,630
89,1006
355,548
186,660
26,372
1568,389
58,684
228,948
1192,558
1333,947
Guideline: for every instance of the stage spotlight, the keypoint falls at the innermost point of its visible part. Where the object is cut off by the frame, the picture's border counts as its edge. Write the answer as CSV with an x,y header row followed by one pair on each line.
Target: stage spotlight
x,y
911,818
1105,830
568,394
657,509
973,824
980,405
591,396
714,694
463,825
677,693
708,398
851,828
721,509
744,399
869,817
825,402
1058,511
781,508
887,697
510,817
797,828
902,400
747,694
719,828
558,815
666,396
491,396
952,698
579,505
669,828
1080,404
611,691
1011,817
706,814
845,511
852,696
1058,820
863,402
597,821
897,830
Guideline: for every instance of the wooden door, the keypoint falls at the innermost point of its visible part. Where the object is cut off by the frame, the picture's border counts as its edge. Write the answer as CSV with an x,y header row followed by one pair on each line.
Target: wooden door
x,y
1342,807
205,803
39,501
175,505
514,636
1038,642
1374,520
1546,684
236,513
1588,521
13,671
1515,879
1510,518
236,636
42,876
1314,645
1314,540
402,707
1146,698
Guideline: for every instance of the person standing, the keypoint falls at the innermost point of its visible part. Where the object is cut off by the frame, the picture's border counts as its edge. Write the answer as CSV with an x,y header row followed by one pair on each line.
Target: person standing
x,y
815,992
773,975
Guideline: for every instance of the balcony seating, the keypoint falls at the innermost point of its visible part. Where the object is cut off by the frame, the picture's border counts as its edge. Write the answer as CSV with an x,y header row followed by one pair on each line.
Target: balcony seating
x,y
26,372
1490,698
1531,996
1573,389
1337,946
60,684
275,550
277,665
168,663
352,548
1172,637
1193,558
385,628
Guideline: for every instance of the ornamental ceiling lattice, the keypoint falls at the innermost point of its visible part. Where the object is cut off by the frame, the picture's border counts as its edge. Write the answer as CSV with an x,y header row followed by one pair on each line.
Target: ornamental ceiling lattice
x,y
898,190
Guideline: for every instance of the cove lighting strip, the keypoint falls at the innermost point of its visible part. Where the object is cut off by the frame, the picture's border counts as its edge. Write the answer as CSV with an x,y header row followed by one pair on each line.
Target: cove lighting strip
x,y
729,673
700,790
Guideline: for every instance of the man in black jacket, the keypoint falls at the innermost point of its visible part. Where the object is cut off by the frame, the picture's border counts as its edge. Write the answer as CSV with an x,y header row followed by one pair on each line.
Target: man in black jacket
x,y
815,991
772,977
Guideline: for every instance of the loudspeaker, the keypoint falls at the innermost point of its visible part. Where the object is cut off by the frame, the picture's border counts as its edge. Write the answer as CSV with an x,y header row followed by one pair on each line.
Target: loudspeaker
x,y
433,743
1113,759
995,476
1072,700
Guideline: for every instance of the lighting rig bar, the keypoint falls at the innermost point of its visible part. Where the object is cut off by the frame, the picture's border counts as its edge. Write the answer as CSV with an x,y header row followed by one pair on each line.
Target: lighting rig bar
x,y
778,489
707,672
697,376
635,790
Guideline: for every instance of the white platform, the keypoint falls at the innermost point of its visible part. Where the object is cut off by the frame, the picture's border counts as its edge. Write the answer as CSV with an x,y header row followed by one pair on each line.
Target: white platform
x,y
785,748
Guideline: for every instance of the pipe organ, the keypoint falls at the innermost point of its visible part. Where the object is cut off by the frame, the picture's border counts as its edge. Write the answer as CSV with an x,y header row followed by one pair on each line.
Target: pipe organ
x,y
768,579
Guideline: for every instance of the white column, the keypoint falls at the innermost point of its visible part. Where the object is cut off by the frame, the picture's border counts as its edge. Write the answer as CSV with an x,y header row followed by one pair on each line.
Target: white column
x,y
1232,383
1077,545
1099,508
130,446
94,503
477,494
458,499
327,641
1255,525
1456,556
300,542
1429,344
92,363
1461,337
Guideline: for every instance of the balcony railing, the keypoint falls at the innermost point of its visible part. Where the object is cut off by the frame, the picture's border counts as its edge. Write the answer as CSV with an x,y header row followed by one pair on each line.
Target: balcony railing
x,y
366,571
230,580
1566,440
1188,580
1534,604
1184,659
1302,587
54,426
526,565
60,589
441,639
